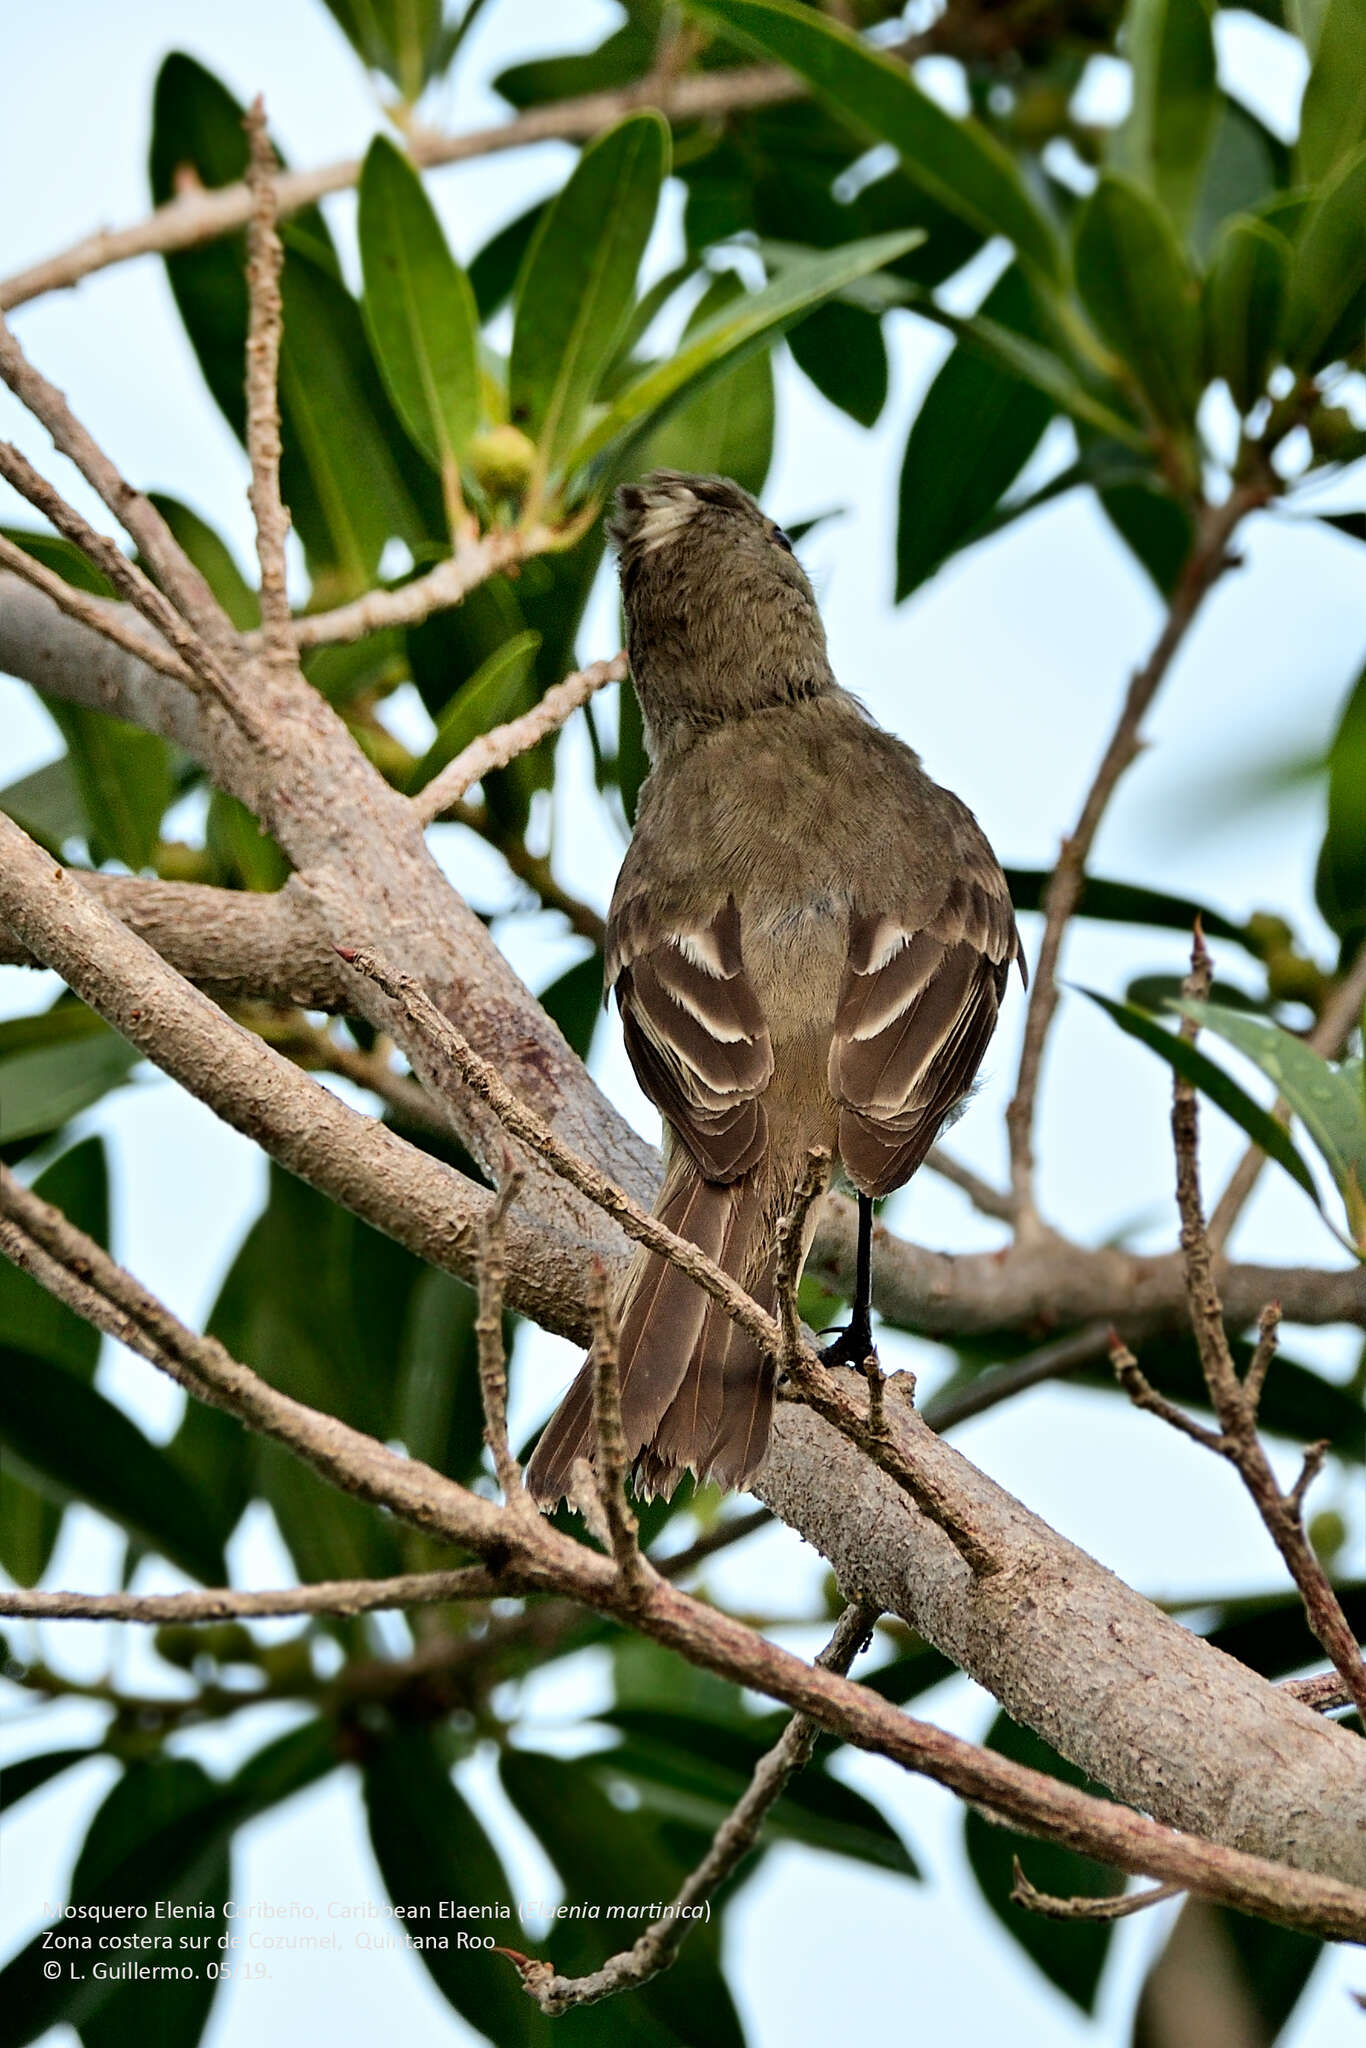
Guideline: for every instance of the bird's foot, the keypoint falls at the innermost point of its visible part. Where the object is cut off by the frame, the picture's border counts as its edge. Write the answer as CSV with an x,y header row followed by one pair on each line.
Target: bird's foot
x,y
853,1347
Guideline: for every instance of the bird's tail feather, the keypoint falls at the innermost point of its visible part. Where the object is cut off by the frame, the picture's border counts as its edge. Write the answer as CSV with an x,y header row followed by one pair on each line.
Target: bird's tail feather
x,y
696,1392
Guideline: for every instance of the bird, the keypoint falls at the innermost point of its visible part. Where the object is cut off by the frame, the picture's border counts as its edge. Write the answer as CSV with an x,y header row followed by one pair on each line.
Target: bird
x,y
809,941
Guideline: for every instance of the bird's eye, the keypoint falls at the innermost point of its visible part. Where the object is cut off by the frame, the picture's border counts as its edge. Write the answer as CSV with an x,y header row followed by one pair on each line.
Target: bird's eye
x,y
780,540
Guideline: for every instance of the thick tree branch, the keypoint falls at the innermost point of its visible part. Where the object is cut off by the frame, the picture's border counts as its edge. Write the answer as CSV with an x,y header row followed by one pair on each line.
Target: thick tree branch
x,y
528,1552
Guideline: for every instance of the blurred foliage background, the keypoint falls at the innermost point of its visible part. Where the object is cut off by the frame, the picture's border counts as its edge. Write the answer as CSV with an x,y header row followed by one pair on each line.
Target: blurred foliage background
x,y
1183,287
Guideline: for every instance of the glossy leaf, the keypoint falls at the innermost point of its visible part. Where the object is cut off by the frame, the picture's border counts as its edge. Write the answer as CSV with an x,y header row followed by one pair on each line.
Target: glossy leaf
x,y
976,428
1194,1066
124,778
1341,878
496,692
841,349
1333,111
493,273
1244,168
431,1847
1071,1953
419,309
1126,903
1158,531
56,1064
79,1446
1244,305
400,38
1327,1099
609,1858
1137,288
618,60
30,1773
1328,275
728,429
727,339
30,1523
958,163
579,283
1164,142
244,855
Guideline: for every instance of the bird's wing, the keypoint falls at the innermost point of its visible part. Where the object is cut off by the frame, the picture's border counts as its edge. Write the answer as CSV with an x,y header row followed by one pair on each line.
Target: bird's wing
x,y
916,1010
694,1031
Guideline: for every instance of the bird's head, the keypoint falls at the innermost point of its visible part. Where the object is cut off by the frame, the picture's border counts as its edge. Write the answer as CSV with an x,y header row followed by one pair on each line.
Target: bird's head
x,y
721,620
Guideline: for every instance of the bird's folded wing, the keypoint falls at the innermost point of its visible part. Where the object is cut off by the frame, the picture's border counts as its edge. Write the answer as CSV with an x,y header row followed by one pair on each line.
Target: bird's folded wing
x,y
917,1008
694,1031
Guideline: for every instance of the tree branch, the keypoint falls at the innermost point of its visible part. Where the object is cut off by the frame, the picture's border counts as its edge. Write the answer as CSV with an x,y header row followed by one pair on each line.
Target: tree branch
x,y
228,1603
503,743
265,259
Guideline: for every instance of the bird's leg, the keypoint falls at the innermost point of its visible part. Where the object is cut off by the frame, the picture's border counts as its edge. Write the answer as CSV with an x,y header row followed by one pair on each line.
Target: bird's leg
x,y
856,1343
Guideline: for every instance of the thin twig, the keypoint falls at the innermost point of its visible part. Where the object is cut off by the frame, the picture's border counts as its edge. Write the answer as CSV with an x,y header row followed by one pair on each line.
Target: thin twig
x,y
204,669
1208,559
225,1603
1022,1893
136,514
987,1200
488,1330
612,1459
1234,1401
503,744
808,1380
1339,1018
265,258
98,613
737,1835
792,1238
449,583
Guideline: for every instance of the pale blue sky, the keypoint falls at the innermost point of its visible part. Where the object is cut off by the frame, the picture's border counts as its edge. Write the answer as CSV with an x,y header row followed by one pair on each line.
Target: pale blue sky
x,y
1004,674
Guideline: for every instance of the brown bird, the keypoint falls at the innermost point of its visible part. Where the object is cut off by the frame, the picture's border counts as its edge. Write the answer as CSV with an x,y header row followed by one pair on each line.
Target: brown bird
x,y
809,941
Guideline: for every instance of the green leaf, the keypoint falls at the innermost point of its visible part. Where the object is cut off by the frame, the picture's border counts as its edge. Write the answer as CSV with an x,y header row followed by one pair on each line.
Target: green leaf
x,y
63,557
33,1320
575,1002
1166,138
1126,903
214,560
578,286
79,1446
439,1413
1333,111
1141,295
400,38
606,1858
494,271
1340,884
1155,527
1070,1953
315,1300
727,339
1328,274
47,804
56,1064
1244,305
496,692
1326,1099
245,856
432,1849
976,428
841,349
958,163
1192,1065
160,1835
728,429
1245,166
30,1523
340,471
694,1770
124,778
17,1780
619,60
419,309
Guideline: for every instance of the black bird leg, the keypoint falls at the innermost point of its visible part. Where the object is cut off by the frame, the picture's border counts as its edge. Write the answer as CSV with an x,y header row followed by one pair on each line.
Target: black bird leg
x,y
856,1343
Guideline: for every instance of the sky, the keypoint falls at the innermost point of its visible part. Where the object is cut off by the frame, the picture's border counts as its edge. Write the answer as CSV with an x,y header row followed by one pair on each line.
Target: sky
x,y
1004,673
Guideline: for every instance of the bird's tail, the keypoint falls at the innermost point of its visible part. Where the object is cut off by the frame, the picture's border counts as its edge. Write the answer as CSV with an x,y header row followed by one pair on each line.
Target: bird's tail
x,y
696,1392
